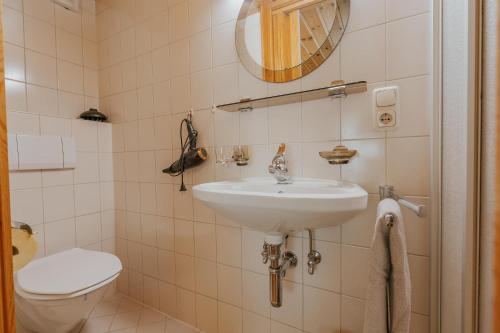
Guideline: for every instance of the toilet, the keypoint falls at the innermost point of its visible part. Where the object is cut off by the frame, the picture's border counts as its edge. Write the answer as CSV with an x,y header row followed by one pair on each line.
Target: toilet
x,y
56,293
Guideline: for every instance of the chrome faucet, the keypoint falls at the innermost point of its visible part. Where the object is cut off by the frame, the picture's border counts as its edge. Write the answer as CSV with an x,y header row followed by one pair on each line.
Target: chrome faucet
x,y
278,167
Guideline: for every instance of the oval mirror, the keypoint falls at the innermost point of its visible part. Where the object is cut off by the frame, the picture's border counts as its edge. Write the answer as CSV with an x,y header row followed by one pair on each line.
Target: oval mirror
x,y
283,40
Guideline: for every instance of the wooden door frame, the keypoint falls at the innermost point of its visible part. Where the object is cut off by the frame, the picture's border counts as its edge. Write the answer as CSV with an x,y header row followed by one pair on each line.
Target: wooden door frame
x,y
460,131
7,315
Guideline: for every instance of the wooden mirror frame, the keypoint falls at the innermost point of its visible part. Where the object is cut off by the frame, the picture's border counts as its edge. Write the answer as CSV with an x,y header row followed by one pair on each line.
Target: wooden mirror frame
x,y
279,76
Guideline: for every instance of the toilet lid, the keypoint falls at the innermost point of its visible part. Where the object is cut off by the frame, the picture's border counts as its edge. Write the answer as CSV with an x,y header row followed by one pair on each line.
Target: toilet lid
x,y
67,272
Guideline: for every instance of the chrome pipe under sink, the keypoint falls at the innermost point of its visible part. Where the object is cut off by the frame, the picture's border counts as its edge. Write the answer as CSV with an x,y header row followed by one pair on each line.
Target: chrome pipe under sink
x,y
279,264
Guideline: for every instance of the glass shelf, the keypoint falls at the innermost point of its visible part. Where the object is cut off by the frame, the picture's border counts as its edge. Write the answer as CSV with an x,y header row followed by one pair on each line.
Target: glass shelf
x,y
337,89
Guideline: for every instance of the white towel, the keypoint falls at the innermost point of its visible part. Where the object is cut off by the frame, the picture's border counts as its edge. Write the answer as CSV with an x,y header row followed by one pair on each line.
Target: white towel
x,y
388,262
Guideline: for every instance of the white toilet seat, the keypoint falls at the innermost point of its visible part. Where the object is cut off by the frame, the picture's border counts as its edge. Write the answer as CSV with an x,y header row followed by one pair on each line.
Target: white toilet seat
x,y
67,274
45,297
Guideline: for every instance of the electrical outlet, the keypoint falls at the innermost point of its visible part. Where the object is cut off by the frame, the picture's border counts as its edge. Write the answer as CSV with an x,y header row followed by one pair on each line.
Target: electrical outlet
x,y
385,106
386,119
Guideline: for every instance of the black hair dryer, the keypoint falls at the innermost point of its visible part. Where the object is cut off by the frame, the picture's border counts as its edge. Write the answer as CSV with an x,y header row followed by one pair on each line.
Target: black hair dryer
x,y
191,156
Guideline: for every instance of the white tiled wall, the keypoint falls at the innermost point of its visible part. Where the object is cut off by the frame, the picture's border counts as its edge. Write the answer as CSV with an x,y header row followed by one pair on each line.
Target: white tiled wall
x,y
159,58
51,77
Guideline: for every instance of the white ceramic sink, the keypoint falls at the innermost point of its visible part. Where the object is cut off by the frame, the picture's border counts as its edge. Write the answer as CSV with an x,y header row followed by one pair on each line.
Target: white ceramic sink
x,y
264,205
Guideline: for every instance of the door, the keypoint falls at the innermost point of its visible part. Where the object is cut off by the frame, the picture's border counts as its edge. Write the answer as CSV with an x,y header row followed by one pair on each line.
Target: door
x,y
7,321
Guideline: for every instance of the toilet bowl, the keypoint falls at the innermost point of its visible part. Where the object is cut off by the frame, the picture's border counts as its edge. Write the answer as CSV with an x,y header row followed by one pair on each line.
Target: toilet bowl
x,y
56,293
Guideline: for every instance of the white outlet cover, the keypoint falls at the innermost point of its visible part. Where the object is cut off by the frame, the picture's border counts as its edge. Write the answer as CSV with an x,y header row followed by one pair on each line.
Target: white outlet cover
x,y
378,111
386,118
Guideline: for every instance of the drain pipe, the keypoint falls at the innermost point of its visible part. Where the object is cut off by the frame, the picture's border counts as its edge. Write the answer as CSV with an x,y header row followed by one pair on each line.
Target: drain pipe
x,y
279,263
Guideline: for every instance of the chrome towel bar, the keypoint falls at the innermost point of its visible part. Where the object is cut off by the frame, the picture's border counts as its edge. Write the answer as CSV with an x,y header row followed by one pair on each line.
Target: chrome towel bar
x,y
387,191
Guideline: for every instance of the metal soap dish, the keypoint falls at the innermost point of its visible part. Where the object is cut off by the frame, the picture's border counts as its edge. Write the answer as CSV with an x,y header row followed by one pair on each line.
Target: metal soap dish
x,y
339,155
94,115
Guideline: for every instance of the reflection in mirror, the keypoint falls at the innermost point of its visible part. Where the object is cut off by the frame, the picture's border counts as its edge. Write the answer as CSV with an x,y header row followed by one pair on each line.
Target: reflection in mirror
x,y
283,40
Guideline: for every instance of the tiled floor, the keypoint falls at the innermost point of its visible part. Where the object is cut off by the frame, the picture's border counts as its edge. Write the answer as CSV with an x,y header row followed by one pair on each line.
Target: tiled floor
x,y
119,314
